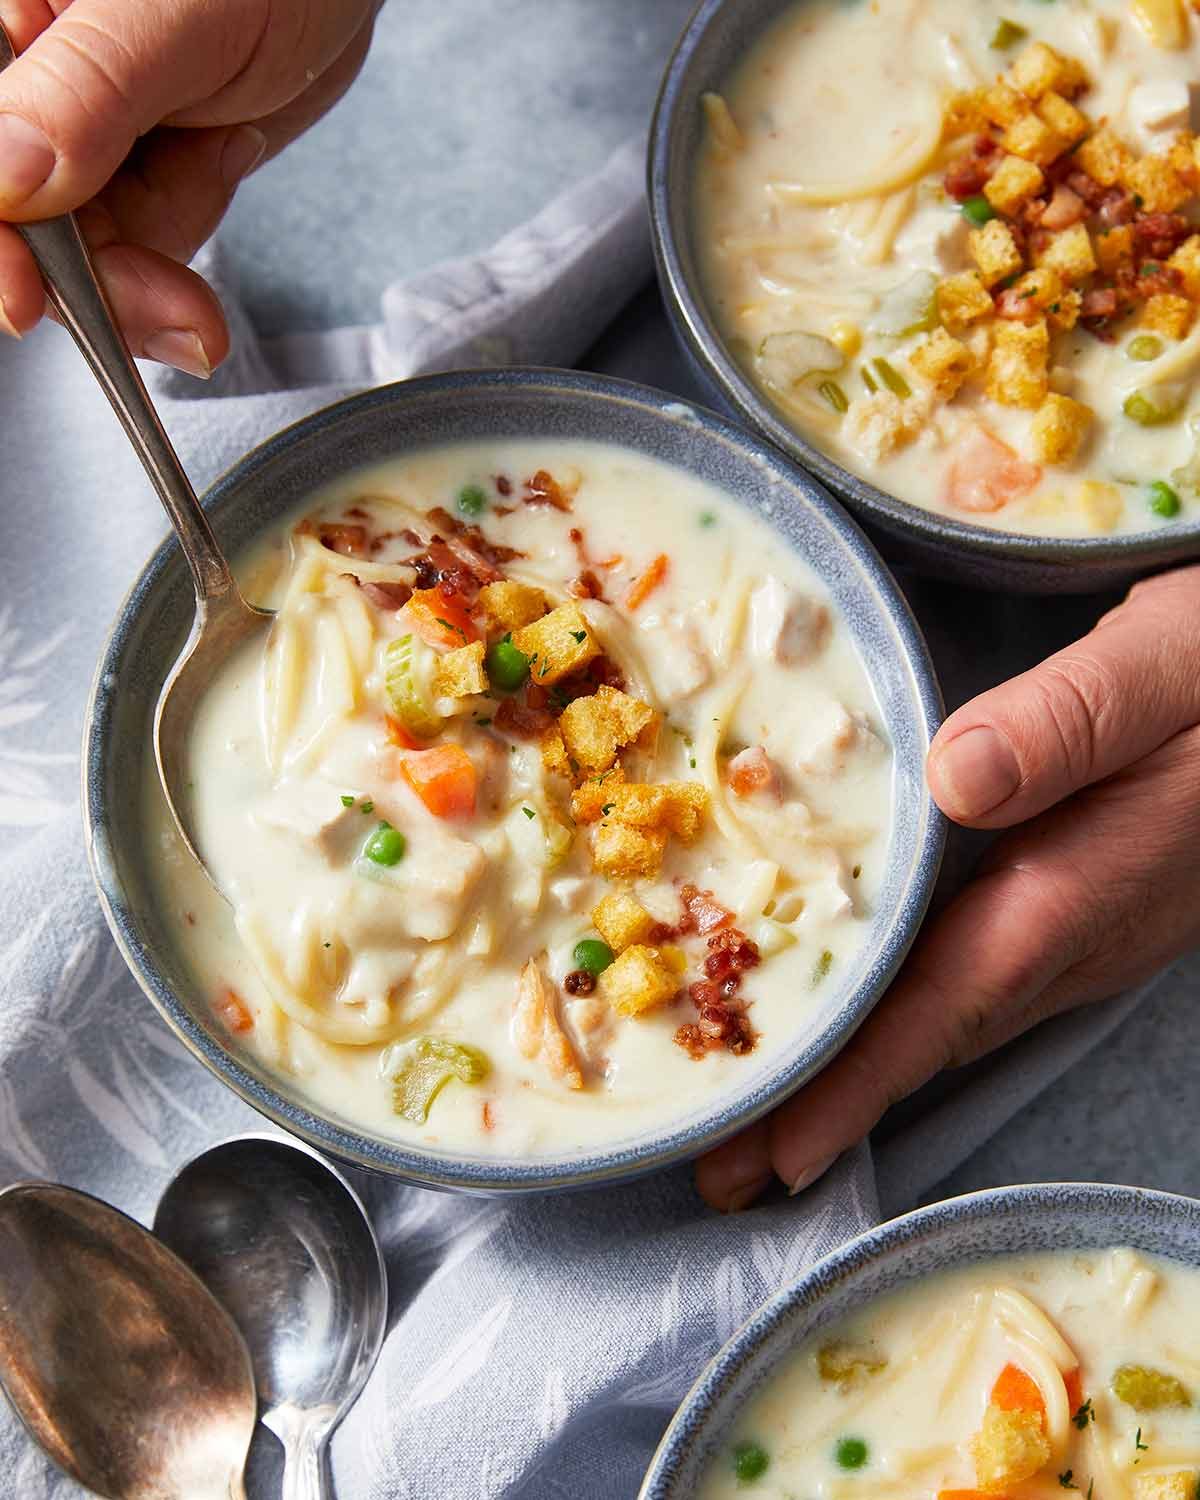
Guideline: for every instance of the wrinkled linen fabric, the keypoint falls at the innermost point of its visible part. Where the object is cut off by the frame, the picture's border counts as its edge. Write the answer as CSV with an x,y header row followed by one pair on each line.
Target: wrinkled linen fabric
x,y
537,1348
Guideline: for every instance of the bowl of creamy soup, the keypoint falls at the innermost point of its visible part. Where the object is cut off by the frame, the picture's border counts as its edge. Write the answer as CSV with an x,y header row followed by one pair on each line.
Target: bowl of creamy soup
x,y
947,254
1017,1342
573,810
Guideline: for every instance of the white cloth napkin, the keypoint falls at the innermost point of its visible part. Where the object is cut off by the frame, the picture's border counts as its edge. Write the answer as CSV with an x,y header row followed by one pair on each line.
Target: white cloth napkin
x,y
537,1348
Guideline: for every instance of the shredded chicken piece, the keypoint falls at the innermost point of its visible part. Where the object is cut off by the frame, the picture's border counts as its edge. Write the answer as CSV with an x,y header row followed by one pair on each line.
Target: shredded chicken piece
x,y
536,1029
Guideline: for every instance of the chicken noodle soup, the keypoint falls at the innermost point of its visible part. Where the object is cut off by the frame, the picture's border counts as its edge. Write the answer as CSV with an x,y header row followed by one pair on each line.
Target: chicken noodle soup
x,y
555,805
954,241
1026,1376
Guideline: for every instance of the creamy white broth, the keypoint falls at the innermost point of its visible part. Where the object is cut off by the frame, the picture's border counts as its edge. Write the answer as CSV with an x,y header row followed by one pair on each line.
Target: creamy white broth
x,y
835,90
434,945
919,1372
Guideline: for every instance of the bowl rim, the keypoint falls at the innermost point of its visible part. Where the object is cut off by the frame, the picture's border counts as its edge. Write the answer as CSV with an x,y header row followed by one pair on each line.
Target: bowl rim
x,y
670,208
593,1166
808,1290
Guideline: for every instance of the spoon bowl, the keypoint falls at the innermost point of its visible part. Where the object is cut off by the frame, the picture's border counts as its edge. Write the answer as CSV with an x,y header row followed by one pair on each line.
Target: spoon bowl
x,y
283,1241
119,1361
224,621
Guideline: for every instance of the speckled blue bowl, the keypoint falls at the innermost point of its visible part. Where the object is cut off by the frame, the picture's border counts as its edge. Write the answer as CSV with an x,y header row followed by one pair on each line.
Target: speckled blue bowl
x,y
1002,1221
714,42
278,477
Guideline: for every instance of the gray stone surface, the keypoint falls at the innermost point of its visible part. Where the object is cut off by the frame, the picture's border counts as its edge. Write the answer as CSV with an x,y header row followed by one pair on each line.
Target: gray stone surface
x,y
467,118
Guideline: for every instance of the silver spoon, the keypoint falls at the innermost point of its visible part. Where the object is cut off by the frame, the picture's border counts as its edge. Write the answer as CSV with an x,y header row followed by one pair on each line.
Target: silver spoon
x,y
223,619
283,1241
120,1363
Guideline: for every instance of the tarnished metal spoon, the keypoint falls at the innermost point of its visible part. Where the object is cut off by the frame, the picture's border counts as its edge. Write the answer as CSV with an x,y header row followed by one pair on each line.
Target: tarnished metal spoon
x,y
119,1361
223,619
281,1238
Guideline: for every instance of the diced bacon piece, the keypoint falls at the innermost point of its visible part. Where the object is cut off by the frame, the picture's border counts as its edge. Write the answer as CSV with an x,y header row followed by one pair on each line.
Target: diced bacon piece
x,y
750,772
1065,208
350,541
1100,302
703,913
544,489
233,1011
1117,207
384,594
1087,188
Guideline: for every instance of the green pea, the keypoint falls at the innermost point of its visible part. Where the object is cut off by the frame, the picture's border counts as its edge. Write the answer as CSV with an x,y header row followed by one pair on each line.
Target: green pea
x,y
750,1462
1153,412
851,1453
507,668
591,955
1144,347
471,500
1164,501
978,211
386,845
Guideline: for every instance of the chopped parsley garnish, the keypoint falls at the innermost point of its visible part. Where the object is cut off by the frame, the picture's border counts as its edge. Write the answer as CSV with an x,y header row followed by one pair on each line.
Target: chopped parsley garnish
x,y
580,635
453,629
347,800
1084,1415
528,811
1139,1446
856,872
607,808
1067,1480
822,966
708,518
367,807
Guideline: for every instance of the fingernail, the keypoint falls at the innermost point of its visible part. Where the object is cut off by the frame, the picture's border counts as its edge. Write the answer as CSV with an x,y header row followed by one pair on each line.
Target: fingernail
x,y
242,153
810,1175
6,323
978,771
26,159
744,1196
181,349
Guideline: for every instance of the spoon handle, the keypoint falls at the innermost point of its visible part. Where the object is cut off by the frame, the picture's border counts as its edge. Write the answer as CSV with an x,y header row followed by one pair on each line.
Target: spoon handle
x,y
304,1467
66,266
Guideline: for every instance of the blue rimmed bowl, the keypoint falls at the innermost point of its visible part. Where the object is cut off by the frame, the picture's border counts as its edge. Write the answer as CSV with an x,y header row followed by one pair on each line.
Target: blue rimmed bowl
x,y
979,1226
273,481
714,42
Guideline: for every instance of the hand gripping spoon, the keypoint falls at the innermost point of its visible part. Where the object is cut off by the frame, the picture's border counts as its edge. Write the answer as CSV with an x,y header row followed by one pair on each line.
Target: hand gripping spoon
x,y
119,1361
223,620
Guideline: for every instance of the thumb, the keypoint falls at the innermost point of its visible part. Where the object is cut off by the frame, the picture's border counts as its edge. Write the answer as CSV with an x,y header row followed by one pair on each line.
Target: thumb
x,y
1109,700
99,76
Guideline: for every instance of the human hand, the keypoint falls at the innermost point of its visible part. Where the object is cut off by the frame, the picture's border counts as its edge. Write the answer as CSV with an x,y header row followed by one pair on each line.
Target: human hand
x,y
1092,759
144,115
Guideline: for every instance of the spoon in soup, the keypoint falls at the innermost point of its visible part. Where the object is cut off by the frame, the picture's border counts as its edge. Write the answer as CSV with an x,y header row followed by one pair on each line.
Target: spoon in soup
x,y
119,1361
280,1237
223,620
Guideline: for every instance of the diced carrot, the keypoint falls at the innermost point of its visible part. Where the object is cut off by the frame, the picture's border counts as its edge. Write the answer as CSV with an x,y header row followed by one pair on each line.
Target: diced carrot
x,y
232,1009
641,588
489,1115
751,771
398,735
444,778
985,474
440,618
1016,1391
1073,1380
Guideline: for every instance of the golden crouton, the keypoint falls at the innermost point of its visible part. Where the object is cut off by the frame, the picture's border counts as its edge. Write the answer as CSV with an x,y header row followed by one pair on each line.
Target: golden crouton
x,y
1016,373
1070,253
554,753
1156,185
1033,139
622,921
1014,182
1003,105
964,114
1039,69
1163,21
592,798
1067,122
1009,1447
595,728
1183,158
963,300
1059,429
509,606
1101,504
994,251
943,362
1169,315
637,981
619,851
677,806
882,424
1186,261
557,644
1038,290
1104,157
1114,248
1064,313
1178,1485
460,674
